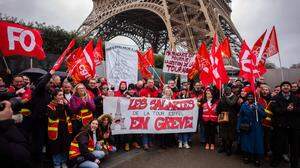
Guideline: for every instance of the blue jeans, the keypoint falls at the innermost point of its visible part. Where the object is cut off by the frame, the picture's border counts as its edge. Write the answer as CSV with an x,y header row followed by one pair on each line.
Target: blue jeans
x,y
58,159
89,164
202,133
146,139
183,137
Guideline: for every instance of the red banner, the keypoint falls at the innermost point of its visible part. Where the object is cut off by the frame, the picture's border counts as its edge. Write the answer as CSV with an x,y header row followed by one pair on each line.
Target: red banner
x,y
16,39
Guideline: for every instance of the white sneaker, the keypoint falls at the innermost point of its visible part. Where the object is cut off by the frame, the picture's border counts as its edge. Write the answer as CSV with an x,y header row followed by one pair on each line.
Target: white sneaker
x,y
64,165
286,158
186,146
180,145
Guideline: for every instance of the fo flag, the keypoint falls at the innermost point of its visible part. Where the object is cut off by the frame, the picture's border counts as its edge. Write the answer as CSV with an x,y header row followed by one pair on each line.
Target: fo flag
x,y
145,61
16,39
258,44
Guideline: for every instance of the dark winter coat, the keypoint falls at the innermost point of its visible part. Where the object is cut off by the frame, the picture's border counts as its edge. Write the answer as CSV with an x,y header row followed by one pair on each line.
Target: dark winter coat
x,y
14,149
252,141
281,116
228,104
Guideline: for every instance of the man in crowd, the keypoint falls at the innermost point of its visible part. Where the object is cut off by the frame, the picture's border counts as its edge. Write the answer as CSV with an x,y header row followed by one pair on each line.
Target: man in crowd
x,y
286,124
172,85
14,148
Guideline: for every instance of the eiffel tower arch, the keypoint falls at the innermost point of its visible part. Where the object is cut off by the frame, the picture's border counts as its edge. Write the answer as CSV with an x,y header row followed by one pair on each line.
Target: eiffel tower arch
x,y
163,24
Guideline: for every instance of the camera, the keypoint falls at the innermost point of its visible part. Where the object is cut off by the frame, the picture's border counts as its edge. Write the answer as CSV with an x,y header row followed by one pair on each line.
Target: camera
x,y
15,101
2,106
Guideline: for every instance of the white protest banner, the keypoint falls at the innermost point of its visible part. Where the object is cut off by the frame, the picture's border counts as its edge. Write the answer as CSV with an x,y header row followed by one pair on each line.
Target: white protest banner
x,y
151,115
121,63
178,62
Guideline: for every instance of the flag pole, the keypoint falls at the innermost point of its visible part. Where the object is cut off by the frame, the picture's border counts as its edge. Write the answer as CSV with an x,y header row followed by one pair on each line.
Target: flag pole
x,y
282,76
5,63
154,71
31,62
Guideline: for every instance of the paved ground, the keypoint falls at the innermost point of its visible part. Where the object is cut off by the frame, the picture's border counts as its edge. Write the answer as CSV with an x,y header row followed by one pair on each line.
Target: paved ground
x,y
196,157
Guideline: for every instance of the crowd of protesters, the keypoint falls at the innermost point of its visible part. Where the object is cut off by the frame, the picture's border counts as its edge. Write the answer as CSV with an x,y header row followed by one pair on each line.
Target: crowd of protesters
x,y
66,121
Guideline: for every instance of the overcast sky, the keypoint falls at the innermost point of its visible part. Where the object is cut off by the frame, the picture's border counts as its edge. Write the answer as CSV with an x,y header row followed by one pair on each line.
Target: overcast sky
x,y
251,18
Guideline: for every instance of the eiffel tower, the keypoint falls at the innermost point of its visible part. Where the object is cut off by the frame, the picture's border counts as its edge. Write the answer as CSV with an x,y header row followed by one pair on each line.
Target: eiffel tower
x,y
163,24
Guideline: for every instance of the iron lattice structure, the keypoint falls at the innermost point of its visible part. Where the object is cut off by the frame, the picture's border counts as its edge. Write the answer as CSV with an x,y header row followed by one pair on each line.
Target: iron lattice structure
x,y
163,24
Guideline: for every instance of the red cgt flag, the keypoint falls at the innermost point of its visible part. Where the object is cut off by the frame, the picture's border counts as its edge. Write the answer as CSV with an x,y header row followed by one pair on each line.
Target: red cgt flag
x,y
85,67
270,50
272,44
61,58
16,39
204,66
258,44
73,57
98,52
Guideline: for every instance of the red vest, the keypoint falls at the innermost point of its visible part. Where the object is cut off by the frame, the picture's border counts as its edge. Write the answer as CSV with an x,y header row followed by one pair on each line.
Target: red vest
x,y
209,113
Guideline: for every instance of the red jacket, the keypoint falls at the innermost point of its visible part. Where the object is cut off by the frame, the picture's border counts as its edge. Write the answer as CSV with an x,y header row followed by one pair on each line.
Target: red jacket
x,y
147,92
209,113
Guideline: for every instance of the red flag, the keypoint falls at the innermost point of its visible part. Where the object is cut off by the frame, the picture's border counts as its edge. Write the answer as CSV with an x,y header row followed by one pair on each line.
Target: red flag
x,y
98,52
150,57
247,65
225,48
204,66
258,44
219,71
89,56
272,45
194,70
143,65
85,67
270,50
16,39
73,57
61,58
247,61
215,45
217,65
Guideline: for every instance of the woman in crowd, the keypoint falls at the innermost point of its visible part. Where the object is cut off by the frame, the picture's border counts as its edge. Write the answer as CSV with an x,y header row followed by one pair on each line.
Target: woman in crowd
x,y
84,149
59,129
251,130
106,140
210,118
228,104
83,106
183,137
166,139
133,139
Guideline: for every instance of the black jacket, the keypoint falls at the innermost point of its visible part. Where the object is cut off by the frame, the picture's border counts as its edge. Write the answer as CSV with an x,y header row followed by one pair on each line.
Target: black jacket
x,y
14,149
41,97
281,116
